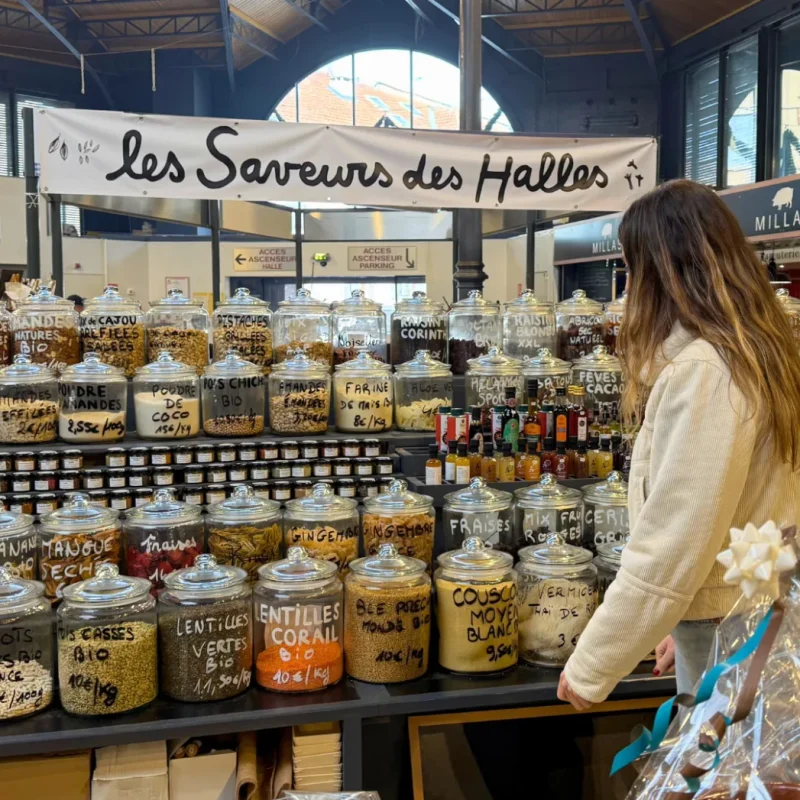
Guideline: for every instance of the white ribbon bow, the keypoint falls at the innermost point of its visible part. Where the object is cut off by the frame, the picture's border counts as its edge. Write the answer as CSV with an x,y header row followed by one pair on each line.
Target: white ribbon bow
x,y
756,557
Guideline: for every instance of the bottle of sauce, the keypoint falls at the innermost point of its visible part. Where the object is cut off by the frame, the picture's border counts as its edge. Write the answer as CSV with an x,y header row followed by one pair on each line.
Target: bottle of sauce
x,y
519,467
548,456
581,466
561,416
593,453
476,426
506,471
440,427
546,420
497,426
462,464
533,464
511,419
578,415
489,463
474,459
561,463
572,454
433,466
605,459
532,425
450,462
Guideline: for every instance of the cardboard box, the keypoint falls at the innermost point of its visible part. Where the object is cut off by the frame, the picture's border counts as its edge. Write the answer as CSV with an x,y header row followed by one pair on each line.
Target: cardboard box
x,y
325,760
208,777
316,733
131,772
65,776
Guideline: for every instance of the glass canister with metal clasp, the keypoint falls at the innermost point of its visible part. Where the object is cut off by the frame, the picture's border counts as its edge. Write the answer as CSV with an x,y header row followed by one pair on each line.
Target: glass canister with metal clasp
x,y
243,323
528,325
580,325
605,512
545,508
359,325
474,325
479,511
557,598
489,376
363,395
476,609
29,403
179,325
551,373
418,323
615,311
421,386
234,395
298,606
302,324
601,375
299,396
791,305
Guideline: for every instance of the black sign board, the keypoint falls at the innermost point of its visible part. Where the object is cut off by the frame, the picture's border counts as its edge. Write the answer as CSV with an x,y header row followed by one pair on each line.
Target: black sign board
x,y
592,240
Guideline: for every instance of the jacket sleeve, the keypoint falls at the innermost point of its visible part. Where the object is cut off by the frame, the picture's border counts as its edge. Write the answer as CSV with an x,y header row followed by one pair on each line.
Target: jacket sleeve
x,y
702,445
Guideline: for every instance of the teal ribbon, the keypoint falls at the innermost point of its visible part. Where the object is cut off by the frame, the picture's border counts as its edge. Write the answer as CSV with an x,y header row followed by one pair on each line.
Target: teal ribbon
x,y
647,741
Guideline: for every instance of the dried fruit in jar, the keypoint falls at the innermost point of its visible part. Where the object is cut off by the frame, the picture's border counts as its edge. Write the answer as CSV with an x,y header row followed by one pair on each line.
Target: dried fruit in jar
x,y
69,558
246,546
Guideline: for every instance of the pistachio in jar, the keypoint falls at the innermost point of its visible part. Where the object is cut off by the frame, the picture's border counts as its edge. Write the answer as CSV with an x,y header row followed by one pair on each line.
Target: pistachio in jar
x,y
243,323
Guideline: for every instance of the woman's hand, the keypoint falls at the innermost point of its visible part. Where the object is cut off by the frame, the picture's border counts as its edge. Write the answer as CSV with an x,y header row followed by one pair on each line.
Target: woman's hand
x,y
665,657
566,694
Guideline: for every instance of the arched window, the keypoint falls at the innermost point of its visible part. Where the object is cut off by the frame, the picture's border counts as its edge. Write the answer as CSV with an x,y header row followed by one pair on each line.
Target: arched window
x,y
385,89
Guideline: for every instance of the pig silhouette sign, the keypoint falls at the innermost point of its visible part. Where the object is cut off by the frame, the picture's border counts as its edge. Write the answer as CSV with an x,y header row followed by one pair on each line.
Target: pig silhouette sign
x,y
783,198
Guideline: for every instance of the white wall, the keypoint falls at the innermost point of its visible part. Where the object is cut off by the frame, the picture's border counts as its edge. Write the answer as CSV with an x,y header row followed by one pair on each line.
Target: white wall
x,y
13,242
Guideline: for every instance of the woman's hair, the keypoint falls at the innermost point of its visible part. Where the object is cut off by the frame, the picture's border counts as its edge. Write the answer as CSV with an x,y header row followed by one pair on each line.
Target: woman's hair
x,y
689,262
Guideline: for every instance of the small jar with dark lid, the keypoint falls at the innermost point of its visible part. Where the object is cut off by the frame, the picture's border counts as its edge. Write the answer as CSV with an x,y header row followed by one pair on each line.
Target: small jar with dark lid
x,y
98,497
216,473
363,466
262,489
4,481
71,459
247,451
21,503
116,457
384,484
45,482
48,461
116,478
322,468
302,489
331,448
45,503
69,480
24,461
372,447
139,476
163,476
194,496
120,499
351,448
215,494
4,502
93,479
259,471
5,460
160,456
384,465
194,474
183,455
226,452
342,467
367,487
301,468
280,469
290,449
346,487
204,453
309,449
141,497
21,481
281,491
268,451
139,456
237,471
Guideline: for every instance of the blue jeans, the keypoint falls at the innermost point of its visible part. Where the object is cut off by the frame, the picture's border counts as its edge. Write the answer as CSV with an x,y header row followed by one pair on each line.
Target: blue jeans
x,y
693,640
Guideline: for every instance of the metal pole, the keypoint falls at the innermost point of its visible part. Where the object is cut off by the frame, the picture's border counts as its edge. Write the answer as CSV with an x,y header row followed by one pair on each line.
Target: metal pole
x,y
469,272
56,243
298,249
31,195
530,257
213,221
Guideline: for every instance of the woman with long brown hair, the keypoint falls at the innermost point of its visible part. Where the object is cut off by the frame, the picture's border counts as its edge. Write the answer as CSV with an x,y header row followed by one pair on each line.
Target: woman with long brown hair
x,y
712,378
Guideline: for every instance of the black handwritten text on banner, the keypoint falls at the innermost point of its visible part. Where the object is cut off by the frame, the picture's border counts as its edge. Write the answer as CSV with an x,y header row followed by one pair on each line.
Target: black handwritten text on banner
x,y
111,153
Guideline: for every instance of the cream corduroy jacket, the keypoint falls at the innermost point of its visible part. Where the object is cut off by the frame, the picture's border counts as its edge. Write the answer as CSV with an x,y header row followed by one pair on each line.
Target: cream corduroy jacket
x,y
697,470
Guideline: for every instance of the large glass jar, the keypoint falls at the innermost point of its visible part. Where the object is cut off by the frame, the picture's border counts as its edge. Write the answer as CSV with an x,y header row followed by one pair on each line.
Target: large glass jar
x,y
298,612
113,327
359,325
476,609
45,329
489,376
18,541
615,311
94,402
479,511
244,323
234,397
363,394
402,518
601,374
28,403
162,536
245,531
205,632
418,323
605,512
557,598
179,325
545,508
325,524
607,561
387,619
302,324
528,325
474,325
107,644
166,399
581,325
74,539
299,396
550,372
27,662
791,305
421,387
6,336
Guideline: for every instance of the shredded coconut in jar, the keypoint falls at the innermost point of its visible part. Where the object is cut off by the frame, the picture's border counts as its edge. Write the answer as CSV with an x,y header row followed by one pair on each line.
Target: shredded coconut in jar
x,y
420,415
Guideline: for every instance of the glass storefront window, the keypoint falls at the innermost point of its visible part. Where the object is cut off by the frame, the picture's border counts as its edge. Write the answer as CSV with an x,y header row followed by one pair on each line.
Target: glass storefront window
x,y
741,104
702,123
787,147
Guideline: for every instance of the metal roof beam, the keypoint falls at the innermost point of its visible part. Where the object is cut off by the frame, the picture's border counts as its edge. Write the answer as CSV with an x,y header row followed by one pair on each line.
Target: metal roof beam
x,y
647,45
523,8
225,13
418,11
297,5
241,28
582,23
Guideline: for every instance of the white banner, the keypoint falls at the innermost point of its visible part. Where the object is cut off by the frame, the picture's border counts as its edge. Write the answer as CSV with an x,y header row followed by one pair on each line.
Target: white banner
x,y
111,153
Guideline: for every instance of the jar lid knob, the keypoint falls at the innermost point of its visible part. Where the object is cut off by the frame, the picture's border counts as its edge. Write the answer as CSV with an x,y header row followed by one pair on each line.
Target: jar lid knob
x,y
303,292
387,551
418,294
6,576
322,490
493,352
21,360
474,293
555,540
548,479
79,500
782,292
357,293
174,291
91,358
242,291
600,350
164,496
475,544
232,354
579,294
243,491
106,571
614,478
397,486
477,484
544,352
205,561
164,356
526,293
297,554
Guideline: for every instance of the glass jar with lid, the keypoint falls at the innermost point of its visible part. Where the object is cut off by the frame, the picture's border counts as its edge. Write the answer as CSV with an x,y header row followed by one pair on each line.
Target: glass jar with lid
x,y
298,612
421,386
418,323
107,644
244,323
234,397
601,375
245,531
580,325
480,511
299,396
6,343
363,395
162,536
605,512
557,598
489,376
29,403
359,325
18,544
387,620
474,325
608,562
615,311
791,305
545,508
476,609
402,518
205,632
74,539
113,327
302,324
328,526
528,325
179,325
550,372
46,329
26,631
94,402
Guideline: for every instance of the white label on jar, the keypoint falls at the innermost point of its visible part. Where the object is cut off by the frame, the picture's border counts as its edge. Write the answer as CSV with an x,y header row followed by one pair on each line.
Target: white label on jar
x,y
215,497
66,483
73,463
216,475
282,472
21,485
163,479
40,485
433,476
160,459
116,481
193,477
342,469
247,455
283,494
270,453
26,465
259,473
136,480
224,455
115,461
385,469
322,470
462,474
203,457
331,452
291,453
299,472
94,483
238,474
49,464
372,450
183,458
137,461
193,499
363,469
352,451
